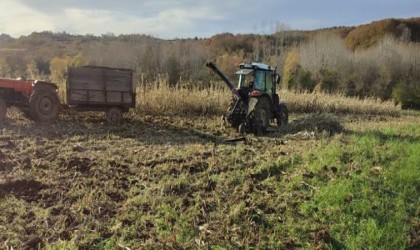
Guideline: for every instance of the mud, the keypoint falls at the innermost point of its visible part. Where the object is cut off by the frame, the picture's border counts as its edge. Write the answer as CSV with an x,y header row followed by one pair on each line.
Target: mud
x,y
81,165
27,190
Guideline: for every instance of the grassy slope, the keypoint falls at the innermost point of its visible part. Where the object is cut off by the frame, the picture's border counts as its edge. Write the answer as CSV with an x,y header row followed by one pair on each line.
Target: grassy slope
x,y
167,182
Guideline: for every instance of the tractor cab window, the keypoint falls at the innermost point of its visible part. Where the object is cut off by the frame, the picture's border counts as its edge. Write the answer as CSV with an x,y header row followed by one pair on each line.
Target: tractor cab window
x,y
269,82
259,81
242,82
245,77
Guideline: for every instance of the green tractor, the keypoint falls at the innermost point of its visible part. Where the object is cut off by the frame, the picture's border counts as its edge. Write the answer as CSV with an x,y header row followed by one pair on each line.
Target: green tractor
x,y
255,101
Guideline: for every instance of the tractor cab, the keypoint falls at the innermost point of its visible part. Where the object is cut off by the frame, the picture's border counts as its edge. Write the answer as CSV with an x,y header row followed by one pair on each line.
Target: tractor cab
x,y
257,79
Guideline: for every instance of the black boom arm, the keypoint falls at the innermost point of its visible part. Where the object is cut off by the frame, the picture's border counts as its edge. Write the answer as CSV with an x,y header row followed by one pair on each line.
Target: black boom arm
x,y
212,66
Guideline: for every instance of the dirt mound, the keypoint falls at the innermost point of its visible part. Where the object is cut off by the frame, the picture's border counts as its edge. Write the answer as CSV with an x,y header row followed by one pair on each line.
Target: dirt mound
x,y
81,165
24,189
5,164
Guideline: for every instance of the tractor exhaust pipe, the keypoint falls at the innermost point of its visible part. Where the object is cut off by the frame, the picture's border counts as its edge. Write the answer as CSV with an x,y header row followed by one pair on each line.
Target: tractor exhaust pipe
x,y
212,66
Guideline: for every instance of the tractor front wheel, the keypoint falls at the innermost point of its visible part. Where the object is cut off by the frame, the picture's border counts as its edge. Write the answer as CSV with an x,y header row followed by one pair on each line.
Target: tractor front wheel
x,y
44,105
3,110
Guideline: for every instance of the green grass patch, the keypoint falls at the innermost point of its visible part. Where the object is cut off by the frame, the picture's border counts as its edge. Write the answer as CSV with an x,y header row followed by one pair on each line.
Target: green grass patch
x,y
375,190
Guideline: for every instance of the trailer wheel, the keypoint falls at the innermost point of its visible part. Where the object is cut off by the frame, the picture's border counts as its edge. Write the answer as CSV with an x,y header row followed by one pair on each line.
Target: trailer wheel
x,y
44,105
114,115
3,110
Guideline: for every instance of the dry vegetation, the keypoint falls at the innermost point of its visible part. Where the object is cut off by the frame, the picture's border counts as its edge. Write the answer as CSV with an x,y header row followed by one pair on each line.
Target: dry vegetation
x,y
387,70
338,104
160,98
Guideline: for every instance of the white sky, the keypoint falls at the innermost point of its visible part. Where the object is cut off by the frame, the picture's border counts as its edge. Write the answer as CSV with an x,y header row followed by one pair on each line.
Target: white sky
x,y
189,18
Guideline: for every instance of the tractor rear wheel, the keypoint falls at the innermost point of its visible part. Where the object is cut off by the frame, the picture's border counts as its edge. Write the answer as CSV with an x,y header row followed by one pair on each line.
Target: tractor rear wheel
x,y
3,110
261,116
114,116
44,105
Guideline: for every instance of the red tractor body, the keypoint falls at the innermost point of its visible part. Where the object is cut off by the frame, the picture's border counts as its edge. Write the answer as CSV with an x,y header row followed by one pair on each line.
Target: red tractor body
x,y
88,88
21,86
36,98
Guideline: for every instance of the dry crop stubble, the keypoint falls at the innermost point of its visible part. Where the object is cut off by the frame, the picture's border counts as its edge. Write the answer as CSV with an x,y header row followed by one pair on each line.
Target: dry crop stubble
x,y
165,180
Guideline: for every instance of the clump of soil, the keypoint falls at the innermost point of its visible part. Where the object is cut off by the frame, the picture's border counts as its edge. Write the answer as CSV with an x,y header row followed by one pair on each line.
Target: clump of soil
x,y
81,165
25,189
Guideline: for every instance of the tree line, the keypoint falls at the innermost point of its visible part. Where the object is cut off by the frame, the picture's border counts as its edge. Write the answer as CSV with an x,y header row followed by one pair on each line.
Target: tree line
x,y
388,70
385,64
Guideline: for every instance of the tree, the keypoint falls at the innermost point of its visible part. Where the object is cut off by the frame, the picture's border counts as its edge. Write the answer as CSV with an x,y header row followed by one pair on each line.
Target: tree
x,y
5,70
32,70
59,67
291,66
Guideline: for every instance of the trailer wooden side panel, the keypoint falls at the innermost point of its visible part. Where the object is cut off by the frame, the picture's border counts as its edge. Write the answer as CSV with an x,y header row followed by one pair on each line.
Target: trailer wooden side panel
x,y
100,86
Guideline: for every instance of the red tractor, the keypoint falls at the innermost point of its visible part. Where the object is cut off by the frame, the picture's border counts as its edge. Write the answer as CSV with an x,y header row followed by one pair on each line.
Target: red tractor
x,y
36,98
88,88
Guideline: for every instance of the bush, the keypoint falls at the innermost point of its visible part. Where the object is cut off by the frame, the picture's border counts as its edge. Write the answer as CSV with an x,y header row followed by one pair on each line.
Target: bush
x,y
328,81
407,94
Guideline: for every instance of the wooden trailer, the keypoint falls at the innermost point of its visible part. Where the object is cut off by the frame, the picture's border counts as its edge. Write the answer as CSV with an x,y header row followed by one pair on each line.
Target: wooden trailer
x,y
93,88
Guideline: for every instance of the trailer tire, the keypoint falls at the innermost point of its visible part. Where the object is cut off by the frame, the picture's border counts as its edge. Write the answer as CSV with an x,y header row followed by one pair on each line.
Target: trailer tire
x,y
44,105
114,115
3,110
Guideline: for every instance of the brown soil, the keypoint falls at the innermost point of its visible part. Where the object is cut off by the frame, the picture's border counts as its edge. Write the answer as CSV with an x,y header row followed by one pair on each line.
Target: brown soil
x,y
27,190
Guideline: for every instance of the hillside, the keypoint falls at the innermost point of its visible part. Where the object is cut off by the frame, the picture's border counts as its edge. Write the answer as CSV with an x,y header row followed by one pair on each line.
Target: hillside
x,y
43,46
350,60
368,35
356,37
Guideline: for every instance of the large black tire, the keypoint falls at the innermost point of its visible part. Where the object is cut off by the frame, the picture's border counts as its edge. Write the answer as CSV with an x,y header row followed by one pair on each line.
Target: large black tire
x,y
283,115
3,110
260,116
114,115
44,105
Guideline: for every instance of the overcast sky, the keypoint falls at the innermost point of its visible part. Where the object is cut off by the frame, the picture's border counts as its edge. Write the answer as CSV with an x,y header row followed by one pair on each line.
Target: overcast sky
x,y
189,18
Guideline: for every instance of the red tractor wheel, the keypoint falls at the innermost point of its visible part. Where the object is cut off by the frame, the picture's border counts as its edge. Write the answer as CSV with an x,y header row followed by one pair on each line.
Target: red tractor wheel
x,y
44,105
3,110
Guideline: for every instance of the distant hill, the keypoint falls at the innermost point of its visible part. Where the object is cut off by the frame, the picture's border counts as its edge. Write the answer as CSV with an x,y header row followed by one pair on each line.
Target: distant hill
x,y
356,37
367,35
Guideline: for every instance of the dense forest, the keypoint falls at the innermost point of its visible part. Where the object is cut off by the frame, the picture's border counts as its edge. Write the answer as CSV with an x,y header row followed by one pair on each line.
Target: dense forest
x,y
380,59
